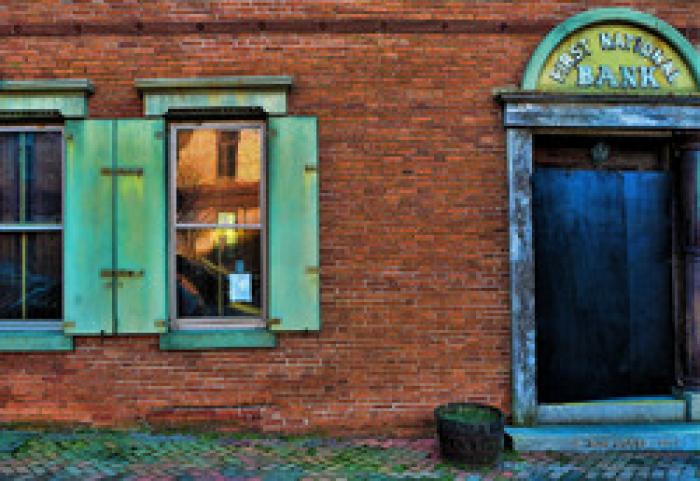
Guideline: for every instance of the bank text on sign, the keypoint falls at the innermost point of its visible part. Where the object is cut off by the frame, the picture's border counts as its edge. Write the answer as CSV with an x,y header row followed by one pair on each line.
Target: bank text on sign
x,y
615,57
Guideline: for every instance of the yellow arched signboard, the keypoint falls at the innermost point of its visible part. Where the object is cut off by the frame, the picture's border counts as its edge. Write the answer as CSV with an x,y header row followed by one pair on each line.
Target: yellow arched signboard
x,y
615,58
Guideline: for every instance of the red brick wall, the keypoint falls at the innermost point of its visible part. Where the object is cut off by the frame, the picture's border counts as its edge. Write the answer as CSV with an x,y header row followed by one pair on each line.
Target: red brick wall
x,y
414,243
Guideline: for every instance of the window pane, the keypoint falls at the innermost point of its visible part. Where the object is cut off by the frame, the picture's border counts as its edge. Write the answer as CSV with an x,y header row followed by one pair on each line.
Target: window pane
x,y
218,176
10,276
44,177
44,295
40,278
218,273
9,177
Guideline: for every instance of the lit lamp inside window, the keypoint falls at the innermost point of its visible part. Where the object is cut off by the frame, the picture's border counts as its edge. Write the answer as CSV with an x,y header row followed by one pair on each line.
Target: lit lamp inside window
x,y
228,235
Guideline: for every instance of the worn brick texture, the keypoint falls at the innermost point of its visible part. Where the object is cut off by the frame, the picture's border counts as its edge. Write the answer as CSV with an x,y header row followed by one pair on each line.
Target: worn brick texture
x,y
414,228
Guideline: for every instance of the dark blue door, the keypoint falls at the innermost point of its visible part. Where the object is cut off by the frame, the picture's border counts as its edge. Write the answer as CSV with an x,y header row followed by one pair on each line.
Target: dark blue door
x,y
603,284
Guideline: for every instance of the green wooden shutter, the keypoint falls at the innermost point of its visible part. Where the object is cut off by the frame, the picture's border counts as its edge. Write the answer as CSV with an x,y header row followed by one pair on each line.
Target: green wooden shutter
x,y
140,236
293,244
87,241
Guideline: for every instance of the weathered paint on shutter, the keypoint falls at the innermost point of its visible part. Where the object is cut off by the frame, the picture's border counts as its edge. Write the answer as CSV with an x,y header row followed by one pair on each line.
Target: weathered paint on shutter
x,y
293,243
87,242
140,236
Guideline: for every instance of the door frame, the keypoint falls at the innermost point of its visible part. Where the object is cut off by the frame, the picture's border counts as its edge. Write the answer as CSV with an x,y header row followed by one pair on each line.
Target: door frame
x,y
524,114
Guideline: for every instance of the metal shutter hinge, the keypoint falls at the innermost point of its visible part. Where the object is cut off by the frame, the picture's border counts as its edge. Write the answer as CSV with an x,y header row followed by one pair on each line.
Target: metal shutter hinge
x,y
273,322
135,171
68,325
122,273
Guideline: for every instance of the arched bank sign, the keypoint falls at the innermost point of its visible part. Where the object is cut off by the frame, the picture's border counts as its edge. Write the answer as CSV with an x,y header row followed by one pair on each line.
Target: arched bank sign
x,y
614,51
616,57
603,136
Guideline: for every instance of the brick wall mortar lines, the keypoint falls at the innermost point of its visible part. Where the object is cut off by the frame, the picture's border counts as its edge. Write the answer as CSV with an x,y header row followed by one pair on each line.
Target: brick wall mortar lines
x,y
414,246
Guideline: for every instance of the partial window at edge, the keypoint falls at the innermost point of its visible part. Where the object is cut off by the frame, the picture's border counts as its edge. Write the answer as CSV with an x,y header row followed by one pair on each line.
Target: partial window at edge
x,y
31,253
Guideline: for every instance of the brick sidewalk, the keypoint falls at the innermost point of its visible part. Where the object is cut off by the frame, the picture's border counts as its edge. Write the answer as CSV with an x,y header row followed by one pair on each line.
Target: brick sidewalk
x,y
142,456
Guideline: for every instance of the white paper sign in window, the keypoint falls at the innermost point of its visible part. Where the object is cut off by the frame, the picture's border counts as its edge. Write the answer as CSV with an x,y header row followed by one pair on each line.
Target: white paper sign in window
x,y
240,288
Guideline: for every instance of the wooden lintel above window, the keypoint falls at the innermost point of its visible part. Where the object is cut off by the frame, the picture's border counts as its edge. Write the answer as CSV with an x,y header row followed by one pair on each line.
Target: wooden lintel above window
x,y
234,82
161,95
66,96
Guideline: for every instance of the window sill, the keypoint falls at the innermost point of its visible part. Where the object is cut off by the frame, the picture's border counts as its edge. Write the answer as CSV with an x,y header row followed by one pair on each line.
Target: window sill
x,y
31,341
216,324
216,339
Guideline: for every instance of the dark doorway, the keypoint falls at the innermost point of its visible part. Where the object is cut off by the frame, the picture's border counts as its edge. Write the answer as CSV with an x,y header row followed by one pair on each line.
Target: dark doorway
x,y
603,249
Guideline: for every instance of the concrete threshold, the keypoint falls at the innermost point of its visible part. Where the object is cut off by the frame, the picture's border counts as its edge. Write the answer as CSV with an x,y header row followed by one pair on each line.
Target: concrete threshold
x,y
607,437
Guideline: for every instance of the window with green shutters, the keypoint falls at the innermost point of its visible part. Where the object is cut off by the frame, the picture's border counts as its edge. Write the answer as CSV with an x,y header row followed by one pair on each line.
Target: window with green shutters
x,y
244,248
215,246
253,221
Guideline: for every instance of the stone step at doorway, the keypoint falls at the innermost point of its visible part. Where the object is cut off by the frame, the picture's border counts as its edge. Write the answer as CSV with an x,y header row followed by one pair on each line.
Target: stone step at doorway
x,y
606,437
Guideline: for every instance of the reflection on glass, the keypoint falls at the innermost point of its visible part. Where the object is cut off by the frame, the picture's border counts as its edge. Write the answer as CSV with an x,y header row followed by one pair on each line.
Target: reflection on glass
x,y
227,155
218,171
43,185
44,274
10,276
30,177
30,276
9,177
218,273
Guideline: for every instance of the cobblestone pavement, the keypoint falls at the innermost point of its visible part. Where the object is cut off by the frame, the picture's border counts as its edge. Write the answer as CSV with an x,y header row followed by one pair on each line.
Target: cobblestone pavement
x,y
146,456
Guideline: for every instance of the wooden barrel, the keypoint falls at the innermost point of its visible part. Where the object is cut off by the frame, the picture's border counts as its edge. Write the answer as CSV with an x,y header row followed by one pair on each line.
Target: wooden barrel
x,y
470,433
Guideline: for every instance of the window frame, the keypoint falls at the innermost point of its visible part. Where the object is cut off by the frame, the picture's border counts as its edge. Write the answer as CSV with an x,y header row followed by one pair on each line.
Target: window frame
x,y
5,228
224,322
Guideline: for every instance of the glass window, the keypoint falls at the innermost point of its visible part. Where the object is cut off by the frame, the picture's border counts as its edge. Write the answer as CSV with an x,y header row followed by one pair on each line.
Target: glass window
x,y
218,222
31,241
